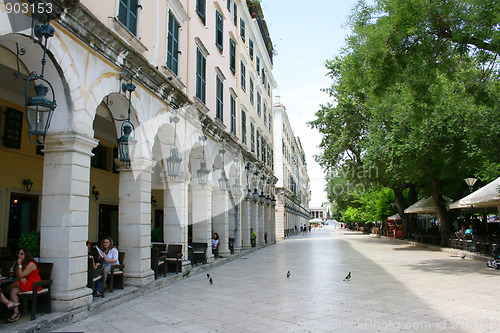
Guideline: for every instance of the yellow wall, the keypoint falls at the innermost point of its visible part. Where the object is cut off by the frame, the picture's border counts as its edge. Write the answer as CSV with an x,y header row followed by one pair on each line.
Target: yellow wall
x,y
107,184
16,165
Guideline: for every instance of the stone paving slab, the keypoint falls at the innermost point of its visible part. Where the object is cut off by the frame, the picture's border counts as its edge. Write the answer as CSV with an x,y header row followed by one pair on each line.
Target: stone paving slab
x,y
395,287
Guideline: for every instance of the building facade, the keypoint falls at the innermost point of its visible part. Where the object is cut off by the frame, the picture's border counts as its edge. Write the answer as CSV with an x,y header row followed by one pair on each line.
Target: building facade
x,y
292,187
169,78
323,212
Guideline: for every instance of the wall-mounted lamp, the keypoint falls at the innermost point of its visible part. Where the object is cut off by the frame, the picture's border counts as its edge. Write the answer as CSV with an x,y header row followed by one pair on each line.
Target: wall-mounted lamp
x,y
39,109
28,184
96,193
203,171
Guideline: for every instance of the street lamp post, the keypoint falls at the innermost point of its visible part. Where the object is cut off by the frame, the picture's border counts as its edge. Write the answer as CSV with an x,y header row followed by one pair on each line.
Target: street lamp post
x,y
470,182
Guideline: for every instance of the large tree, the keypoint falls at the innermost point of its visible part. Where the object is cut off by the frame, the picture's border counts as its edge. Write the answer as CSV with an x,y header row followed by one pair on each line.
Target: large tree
x,y
417,105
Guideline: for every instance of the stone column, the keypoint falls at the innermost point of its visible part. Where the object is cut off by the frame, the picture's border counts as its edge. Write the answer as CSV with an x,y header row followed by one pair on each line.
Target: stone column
x,y
175,217
273,222
279,221
245,223
65,217
220,207
253,217
237,227
202,216
260,219
266,222
134,221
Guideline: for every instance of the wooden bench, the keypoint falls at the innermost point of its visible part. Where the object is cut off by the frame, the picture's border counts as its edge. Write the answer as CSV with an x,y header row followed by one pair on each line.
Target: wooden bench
x,y
94,276
116,273
174,256
199,252
158,261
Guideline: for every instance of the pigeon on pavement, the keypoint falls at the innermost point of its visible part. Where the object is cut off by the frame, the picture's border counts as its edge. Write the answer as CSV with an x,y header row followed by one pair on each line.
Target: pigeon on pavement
x,y
288,274
211,281
208,276
348,277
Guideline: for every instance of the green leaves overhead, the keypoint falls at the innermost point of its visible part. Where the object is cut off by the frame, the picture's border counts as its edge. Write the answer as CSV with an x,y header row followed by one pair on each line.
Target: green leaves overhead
x,y
416,94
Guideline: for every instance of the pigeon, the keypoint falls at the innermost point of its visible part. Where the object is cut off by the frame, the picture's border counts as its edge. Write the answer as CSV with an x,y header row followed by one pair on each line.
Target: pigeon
x,y
463,257
348,277
211,281
288,274
208,276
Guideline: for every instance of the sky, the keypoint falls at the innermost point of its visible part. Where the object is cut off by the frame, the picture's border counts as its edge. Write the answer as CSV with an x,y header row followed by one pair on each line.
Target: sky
x,y
305,35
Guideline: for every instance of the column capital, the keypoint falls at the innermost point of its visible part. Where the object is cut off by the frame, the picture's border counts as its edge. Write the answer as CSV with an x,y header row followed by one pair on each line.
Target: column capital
x,y
182,177
137,165
207,187
69,142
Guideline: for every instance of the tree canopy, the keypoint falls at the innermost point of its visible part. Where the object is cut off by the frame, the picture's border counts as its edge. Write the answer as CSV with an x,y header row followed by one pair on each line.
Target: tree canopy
x,y
415,96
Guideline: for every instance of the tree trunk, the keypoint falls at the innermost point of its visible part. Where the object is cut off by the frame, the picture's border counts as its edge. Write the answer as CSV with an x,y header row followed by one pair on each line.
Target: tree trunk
x,y
444,217
401,205
412,198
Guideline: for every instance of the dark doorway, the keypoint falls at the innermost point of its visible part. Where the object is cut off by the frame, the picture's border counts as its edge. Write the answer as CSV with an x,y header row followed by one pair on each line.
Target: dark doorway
x,y
158,218
23,217
108,222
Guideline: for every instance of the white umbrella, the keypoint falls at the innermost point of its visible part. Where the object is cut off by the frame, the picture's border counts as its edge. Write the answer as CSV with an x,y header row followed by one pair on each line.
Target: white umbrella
x,y
425,206
486,196
394,217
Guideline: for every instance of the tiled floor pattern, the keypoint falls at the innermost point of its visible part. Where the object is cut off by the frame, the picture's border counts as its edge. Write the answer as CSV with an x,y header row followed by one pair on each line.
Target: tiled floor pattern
x,y
395,287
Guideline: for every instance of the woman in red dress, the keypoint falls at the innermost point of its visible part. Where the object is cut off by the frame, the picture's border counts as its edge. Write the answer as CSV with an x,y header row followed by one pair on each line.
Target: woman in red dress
x,y
26,271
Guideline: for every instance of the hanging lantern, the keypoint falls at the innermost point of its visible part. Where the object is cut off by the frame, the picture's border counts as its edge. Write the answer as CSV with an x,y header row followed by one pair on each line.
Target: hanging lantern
x,y
203,173
173,163
236,190
262,197
126,144
39,110
223,182
255,196
249,195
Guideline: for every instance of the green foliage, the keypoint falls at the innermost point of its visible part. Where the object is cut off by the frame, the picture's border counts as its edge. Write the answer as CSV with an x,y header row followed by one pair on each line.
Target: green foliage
x,y
157,234
415,96
31,240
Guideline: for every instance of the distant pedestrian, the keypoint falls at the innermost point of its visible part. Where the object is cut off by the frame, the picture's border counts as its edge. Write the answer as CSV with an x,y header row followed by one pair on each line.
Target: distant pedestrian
x,y
215,245
265,237
253,237
309,228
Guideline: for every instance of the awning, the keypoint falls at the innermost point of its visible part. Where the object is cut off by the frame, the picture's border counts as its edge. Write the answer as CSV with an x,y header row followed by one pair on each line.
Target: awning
x,y
394,217
426,206
486,196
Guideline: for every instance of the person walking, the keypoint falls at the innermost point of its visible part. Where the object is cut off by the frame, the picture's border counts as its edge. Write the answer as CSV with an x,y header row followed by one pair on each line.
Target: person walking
x,y
253,237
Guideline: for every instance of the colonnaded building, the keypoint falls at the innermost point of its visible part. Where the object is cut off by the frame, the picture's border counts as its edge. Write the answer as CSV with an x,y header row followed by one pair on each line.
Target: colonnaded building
x,y
123,117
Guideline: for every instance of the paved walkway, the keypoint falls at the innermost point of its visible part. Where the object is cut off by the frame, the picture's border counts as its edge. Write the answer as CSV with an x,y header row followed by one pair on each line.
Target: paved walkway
x,y
394,287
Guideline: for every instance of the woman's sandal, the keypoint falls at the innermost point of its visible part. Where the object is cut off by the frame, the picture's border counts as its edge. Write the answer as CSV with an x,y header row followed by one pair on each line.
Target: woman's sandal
x,y
11,305
13,318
